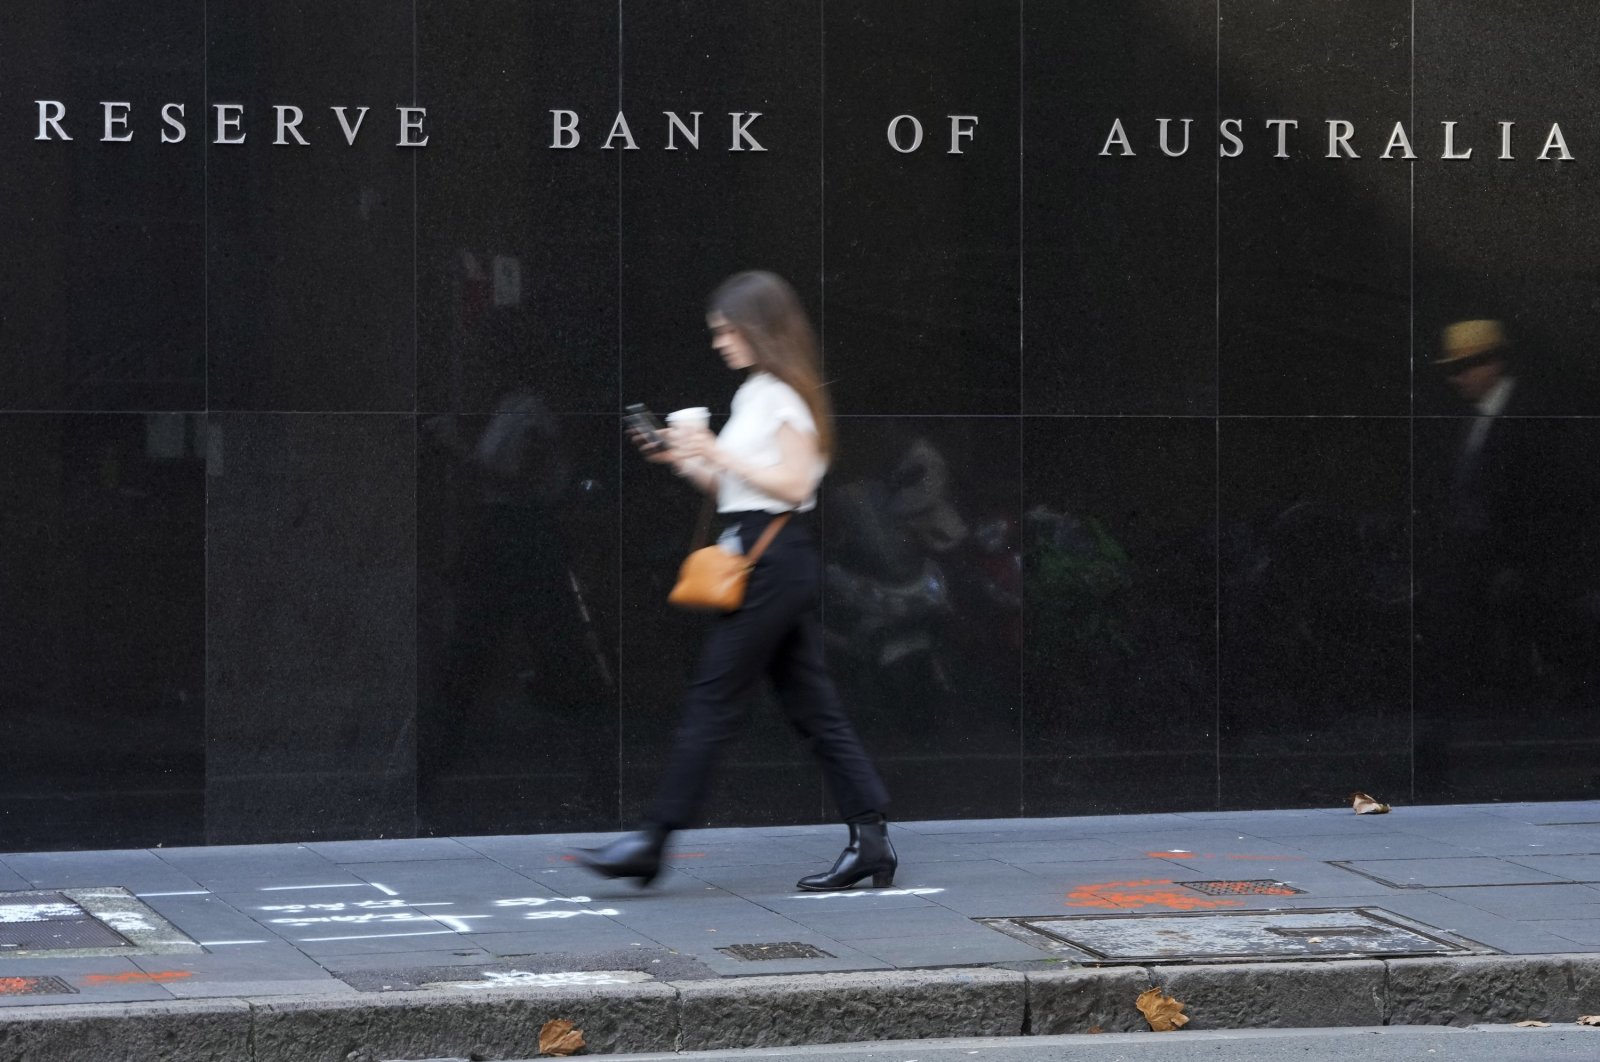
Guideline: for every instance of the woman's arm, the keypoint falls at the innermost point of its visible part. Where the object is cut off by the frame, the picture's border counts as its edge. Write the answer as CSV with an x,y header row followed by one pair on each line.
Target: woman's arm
x,y
792,479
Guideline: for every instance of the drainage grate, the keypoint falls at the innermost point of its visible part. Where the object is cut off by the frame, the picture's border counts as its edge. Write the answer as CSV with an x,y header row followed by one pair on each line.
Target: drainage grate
x,y
52,921
35,986
1221,936
1258,887
786,950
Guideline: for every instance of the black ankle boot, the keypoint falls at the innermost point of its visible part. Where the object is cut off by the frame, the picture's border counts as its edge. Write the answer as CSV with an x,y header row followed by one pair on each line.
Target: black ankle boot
x,y
638,855
869,854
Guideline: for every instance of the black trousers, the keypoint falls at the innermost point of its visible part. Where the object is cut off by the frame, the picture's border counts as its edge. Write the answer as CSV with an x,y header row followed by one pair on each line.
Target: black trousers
x,y
776,634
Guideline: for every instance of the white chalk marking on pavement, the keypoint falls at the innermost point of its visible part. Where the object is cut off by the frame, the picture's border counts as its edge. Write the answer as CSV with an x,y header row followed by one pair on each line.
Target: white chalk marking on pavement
x,y
191,892
456,922
384,889
373,919
379,936
219,943
539,901
126,921
365,905
37,912
524,979
293,888
865,892
541,915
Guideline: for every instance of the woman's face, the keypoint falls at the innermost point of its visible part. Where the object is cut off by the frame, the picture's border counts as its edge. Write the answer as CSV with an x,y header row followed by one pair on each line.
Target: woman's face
x,y
729,342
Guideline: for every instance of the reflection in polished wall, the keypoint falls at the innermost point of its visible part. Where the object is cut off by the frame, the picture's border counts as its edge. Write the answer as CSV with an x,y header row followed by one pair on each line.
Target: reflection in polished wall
x,y
102,608
1163,480
1120,585
922,602
516,620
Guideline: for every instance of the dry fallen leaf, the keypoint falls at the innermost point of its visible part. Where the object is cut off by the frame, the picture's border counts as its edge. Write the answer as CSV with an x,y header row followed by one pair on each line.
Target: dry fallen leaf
x,y
1164,1013
1533,1025
560,1037
1366,805
1589,1019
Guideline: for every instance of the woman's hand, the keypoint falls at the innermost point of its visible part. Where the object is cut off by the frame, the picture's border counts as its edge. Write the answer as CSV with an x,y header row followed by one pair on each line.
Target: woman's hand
x,y
661,455
693,444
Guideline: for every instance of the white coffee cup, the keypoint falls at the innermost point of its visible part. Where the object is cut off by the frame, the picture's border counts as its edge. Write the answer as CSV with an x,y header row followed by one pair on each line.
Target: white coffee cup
x,y
692,417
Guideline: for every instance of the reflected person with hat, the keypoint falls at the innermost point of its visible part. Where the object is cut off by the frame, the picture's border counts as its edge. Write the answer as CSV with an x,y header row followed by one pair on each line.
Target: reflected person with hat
x,y
1476,356
1512,514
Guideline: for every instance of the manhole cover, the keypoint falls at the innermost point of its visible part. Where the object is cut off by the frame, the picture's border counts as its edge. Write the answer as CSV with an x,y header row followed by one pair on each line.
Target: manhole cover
x,y
1257,887
84,923
1212,936
51,921
35,986
786,950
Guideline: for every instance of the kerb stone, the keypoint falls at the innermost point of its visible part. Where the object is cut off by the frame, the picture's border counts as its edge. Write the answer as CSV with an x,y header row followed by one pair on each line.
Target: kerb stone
x,y
1082,1001
202,1031
1277,995
841,1008
1493,989
492,1023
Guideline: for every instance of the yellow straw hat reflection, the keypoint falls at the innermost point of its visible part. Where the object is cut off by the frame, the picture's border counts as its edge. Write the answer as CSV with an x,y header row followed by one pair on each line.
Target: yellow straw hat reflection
x,y
1468,339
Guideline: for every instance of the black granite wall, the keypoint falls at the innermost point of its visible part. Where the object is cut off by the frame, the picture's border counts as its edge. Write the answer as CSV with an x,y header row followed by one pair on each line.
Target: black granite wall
x,y
316,522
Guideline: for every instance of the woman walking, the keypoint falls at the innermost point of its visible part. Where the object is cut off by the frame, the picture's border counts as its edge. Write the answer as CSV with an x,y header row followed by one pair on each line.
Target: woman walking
x,y
767,462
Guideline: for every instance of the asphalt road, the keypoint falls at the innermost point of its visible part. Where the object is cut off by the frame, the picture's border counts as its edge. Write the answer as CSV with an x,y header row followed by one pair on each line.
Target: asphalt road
x,y
1399,1043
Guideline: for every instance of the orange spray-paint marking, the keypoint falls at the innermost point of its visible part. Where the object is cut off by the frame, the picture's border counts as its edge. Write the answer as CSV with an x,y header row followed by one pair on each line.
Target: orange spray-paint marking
x,y
1149,892
136,977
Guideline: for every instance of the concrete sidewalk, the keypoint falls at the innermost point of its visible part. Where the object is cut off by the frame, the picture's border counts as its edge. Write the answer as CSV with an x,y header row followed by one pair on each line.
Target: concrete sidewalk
x,y
441,947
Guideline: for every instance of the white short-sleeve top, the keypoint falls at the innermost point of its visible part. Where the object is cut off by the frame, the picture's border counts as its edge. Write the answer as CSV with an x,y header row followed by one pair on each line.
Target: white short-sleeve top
x,y
761,406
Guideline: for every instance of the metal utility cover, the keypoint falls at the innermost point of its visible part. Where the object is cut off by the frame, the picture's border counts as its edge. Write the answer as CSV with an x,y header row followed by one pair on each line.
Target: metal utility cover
x,y
51,921
1253,887
1212,936
35,986
84,923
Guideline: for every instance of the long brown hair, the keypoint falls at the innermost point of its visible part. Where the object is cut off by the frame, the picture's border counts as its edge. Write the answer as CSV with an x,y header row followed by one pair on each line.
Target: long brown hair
x,y
767,312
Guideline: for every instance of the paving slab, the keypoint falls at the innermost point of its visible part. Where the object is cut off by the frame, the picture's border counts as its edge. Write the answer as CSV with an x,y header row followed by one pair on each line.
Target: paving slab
x,y
235,868
1536,841
137,871
854,924
1285,826
1554,812
11,881
1581,868
1530,902
26,982
1056,851
208,919
418,879
1376,846
1446,872
970,945
391,851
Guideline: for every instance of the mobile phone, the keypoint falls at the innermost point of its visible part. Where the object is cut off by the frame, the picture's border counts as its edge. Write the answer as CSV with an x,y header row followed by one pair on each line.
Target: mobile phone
x,y
639,419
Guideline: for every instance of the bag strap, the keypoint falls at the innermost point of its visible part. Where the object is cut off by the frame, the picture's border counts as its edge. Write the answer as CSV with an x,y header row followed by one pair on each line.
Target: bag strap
x,y
702,532
773,527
